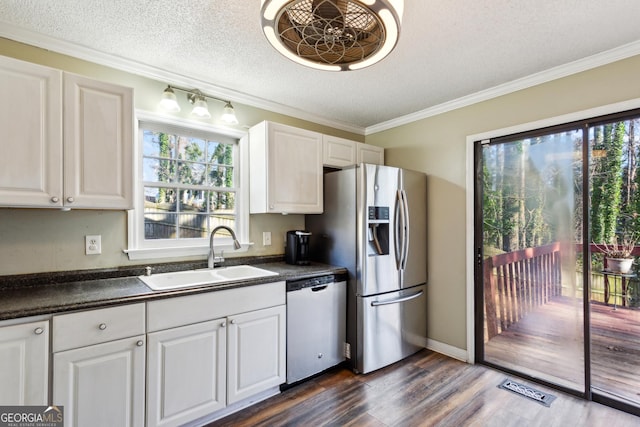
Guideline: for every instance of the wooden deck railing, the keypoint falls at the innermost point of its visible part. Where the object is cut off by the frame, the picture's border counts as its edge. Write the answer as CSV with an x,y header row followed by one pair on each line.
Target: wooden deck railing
x,y
516,282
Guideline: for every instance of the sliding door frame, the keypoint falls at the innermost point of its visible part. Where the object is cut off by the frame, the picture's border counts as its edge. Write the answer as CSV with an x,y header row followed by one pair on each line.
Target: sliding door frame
x,y
475,307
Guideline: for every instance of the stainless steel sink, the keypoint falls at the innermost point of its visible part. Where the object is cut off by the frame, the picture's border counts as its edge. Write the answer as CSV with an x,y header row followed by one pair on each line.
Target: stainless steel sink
x,y
191,278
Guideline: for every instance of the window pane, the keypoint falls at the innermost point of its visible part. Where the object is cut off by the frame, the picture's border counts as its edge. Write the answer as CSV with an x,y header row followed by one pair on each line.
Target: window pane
x,y
220,176
191,173
220,153
159,213
159,226
157,170
157,144
191,149
192,225
223,202
193,201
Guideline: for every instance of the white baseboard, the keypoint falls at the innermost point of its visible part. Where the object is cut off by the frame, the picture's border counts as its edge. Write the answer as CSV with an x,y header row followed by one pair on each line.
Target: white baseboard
x,y
448,350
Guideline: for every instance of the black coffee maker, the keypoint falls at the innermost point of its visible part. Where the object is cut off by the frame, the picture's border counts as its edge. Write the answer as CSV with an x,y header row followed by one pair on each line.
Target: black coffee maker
x,y
296,249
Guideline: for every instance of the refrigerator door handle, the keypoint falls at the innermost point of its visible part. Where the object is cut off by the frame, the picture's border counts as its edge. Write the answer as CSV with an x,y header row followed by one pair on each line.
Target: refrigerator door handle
x,y
398,234
397,300
405,229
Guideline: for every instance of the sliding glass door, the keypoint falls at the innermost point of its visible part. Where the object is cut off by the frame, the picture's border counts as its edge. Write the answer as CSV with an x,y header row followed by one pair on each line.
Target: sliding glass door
x,y
615,222
533,303
550,305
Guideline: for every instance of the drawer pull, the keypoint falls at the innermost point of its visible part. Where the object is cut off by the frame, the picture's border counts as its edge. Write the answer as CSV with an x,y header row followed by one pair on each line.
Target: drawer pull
x,y
140,343
54,199
233,321
223,324
38,331
70,199
102,326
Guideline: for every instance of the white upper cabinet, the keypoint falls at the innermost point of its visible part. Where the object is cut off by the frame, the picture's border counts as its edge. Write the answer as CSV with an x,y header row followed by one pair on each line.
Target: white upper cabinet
x,y
98,142
369,154
285,169
31,123
340,152
68,140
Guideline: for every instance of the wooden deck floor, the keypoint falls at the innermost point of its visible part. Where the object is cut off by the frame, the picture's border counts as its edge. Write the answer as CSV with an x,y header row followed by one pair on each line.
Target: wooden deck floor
x,y
427,389
548,344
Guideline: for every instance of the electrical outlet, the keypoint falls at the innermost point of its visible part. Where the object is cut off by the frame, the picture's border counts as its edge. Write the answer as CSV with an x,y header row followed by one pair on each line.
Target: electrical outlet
x,y
93,245
266,238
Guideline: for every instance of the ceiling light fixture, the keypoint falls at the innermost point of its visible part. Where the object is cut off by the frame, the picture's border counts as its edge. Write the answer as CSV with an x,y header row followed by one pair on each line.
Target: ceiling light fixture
x,y
333,35
170,104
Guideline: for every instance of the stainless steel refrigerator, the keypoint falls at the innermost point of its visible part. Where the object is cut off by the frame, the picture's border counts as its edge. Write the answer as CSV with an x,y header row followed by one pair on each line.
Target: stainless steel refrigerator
x,y
374,224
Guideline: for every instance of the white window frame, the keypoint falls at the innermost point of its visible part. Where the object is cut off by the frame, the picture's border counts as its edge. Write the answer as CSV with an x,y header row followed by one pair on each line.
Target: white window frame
x,y
141,249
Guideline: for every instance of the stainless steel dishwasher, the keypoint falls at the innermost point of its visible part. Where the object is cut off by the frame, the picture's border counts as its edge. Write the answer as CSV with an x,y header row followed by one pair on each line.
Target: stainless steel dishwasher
x,y
316,325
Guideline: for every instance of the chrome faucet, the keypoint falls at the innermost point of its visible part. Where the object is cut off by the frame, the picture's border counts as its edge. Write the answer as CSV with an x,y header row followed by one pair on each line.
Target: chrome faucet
x,y
212,259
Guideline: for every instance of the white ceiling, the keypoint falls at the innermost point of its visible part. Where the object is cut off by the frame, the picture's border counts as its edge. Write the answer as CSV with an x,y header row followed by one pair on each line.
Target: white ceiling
x,y
450,52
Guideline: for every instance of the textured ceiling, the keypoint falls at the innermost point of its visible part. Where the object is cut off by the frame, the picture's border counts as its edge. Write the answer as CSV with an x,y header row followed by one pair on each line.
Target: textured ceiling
x,y
447,49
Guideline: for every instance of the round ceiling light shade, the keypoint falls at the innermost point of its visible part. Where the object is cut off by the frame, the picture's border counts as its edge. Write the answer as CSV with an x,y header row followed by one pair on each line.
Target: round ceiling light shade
x,y
334,35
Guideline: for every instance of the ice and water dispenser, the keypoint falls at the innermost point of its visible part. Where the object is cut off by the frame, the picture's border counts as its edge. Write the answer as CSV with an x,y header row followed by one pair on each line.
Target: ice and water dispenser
x,y
378,230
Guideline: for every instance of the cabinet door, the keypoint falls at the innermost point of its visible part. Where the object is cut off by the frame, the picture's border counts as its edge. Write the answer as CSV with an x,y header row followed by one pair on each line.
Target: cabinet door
x,y
370,154
101,385
291,180
257,346
98,144
24,358
338,152
186,373
31,124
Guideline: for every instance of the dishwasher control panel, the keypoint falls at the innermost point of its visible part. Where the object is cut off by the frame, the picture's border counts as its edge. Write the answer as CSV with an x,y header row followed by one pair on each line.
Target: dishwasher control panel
x,y
296,285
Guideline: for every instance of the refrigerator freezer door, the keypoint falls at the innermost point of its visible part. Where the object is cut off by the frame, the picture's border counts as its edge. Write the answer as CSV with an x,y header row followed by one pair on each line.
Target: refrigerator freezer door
x,y
392,327
414,188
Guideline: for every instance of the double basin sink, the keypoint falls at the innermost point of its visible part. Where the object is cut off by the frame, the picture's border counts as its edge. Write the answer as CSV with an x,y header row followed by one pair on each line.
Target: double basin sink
x,y
192,278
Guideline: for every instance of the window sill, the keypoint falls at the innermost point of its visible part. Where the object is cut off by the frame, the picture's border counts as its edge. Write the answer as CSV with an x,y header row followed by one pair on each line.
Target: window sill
x,y
180,252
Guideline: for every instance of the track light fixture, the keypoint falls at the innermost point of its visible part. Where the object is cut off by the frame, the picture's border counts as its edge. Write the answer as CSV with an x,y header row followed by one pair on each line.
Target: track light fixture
x,y
170,104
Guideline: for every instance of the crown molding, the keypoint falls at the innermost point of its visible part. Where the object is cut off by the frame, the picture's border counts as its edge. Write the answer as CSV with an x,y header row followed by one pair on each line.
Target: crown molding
x,y
600,59
13,32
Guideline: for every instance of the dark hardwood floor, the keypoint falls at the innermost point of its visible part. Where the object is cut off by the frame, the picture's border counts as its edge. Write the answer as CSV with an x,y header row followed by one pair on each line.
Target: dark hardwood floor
x,y
547,343
426,389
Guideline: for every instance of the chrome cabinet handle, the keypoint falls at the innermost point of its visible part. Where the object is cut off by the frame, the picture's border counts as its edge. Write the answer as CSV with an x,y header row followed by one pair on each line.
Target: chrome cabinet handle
x,y
233,322
223,324
102,326
70,199
54,199
38,331
140,343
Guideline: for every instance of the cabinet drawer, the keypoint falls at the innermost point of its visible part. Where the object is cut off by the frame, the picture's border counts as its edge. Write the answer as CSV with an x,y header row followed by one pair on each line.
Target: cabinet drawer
x,y
173,312
96,326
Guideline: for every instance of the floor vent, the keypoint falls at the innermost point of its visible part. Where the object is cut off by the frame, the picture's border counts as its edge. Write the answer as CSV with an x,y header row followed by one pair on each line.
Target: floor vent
x,y
527,391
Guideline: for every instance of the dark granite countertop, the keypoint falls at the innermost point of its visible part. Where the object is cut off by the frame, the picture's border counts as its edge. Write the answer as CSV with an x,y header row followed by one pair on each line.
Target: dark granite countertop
x,y
39,294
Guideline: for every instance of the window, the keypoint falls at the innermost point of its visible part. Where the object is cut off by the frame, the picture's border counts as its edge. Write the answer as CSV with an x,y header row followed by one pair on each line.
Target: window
x,y
189,182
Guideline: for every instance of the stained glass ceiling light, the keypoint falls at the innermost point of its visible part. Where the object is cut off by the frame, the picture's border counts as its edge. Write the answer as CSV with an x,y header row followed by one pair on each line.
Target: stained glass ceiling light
x,y
333,35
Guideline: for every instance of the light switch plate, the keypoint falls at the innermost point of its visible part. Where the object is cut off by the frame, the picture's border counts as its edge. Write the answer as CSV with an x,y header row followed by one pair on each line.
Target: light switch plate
x,y
93,245
266,238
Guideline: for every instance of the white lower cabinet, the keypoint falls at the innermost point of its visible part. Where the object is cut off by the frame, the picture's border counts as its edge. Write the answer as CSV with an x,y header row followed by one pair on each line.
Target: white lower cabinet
x,y
24,363
99,366
101,385
198,366
186,373
257,359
